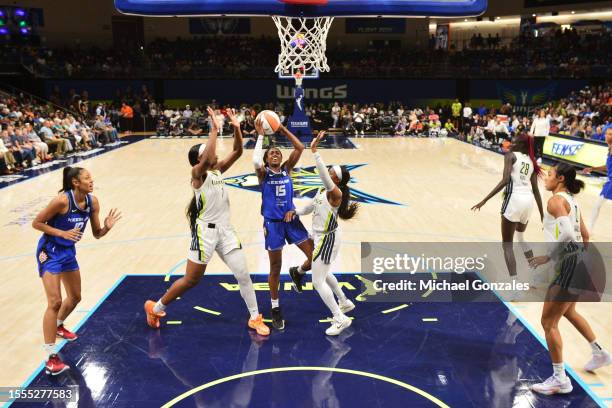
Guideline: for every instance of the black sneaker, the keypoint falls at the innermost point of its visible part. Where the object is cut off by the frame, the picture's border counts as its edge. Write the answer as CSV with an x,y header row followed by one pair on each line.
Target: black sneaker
x,y
277,319
296,277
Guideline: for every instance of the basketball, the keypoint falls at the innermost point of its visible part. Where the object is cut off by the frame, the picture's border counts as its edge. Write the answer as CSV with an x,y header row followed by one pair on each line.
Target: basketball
x,y
271,121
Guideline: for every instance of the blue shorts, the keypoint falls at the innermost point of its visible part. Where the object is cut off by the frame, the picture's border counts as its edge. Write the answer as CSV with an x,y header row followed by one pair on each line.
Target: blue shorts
x,y
55,258
277,232
606,191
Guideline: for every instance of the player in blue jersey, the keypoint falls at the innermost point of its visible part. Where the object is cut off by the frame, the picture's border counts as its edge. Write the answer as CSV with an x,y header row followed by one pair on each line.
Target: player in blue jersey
x,y
62,223
274,177
606,192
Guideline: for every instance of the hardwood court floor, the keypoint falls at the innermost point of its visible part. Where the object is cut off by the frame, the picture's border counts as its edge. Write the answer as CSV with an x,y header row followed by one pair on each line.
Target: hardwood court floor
x,y
435,180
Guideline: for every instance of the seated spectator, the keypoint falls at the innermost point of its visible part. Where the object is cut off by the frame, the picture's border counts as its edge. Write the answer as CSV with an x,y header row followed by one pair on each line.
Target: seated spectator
x,y
56,144
41,147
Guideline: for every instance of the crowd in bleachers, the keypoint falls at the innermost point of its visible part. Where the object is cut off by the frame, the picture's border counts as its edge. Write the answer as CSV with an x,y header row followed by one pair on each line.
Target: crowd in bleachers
x,y
583,114
34,132
558,54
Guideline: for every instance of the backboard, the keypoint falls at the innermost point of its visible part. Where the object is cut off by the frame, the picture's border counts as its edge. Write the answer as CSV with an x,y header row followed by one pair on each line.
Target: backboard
x,y
337,8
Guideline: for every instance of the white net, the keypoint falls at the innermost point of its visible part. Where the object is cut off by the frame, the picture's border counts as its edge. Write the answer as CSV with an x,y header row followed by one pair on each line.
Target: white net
x,y
303,43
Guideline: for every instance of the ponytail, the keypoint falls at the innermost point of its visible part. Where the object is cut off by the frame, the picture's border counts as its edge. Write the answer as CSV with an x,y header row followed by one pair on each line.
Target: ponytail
x,y
347,209
573,185
192,214
527,146
531,152
69,174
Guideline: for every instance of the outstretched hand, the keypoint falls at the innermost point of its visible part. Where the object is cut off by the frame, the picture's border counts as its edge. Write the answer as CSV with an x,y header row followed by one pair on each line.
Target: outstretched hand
x,y
478,206
231,114
315,142
259,126
113,216
214,122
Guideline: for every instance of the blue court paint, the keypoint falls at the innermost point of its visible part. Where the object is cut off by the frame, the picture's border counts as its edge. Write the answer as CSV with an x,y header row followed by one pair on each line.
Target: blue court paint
x,y
473,359
62,343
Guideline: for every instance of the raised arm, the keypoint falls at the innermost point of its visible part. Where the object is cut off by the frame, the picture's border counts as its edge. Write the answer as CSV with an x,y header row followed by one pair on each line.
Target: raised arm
x,y
236,152
258,152
109,221
57,206
298,148
210,151
334,195
508,161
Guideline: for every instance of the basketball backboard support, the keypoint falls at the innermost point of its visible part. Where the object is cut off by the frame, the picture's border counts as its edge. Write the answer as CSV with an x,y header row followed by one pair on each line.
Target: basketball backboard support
x,y
288,73
337,8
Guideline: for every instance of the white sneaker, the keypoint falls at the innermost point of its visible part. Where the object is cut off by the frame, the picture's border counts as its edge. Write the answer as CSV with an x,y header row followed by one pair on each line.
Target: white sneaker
x,y
599,360
338,325
553,385
346,306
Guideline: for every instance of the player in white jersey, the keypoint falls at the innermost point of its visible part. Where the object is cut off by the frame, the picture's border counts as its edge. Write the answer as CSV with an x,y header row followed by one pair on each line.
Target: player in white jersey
x,y
520,179
209,216
332,201
564,230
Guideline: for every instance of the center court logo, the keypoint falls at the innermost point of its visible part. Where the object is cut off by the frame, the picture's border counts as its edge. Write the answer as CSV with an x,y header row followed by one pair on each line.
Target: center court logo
x,y
306,183
566,148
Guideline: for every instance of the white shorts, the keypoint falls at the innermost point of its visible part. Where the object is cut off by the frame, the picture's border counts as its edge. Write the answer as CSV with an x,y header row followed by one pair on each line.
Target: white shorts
x,y
518,207
206,240
326,247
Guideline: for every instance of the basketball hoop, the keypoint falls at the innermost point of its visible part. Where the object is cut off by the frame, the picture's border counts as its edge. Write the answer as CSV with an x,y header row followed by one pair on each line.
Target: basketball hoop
x,y
298,78
303,42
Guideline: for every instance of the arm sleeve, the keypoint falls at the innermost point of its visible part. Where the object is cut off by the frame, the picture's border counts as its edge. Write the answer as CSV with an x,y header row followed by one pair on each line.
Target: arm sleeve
x,y
323,173
564,233
258,152
305,210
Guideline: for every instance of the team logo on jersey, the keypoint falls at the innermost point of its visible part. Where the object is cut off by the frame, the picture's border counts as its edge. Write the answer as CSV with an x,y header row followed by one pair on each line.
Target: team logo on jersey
x,y
306,183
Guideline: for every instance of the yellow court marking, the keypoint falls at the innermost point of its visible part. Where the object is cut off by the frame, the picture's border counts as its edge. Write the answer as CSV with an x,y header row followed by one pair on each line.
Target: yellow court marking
x,y
174,322
430,319
329,320
400,307
202,309
267,320
393,381
430,291
167,278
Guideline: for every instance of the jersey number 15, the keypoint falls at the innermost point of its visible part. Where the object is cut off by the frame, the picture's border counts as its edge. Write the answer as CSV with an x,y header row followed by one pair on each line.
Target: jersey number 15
x,y
280,191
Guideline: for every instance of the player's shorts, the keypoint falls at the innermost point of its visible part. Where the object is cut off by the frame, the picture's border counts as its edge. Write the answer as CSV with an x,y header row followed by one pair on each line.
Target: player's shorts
x,y
277,232
55,258
517,207
606,191
208,238
567,265
326,247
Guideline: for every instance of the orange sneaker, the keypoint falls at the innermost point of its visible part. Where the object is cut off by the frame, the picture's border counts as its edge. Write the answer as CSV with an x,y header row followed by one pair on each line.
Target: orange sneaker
x,y
152,318
259,326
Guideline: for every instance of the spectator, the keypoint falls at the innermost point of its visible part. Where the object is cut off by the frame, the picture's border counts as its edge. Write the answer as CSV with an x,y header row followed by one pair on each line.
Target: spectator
x,y
540,128
127,115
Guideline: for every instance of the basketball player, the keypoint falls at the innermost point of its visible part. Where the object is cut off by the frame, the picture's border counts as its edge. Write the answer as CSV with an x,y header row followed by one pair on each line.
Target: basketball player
x,y
209,217
62,223
606,191
274,176
520,178
563,226
331,202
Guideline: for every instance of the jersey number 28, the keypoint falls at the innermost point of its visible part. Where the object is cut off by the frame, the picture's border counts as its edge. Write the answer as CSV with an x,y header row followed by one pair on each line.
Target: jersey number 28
x,y
525,169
